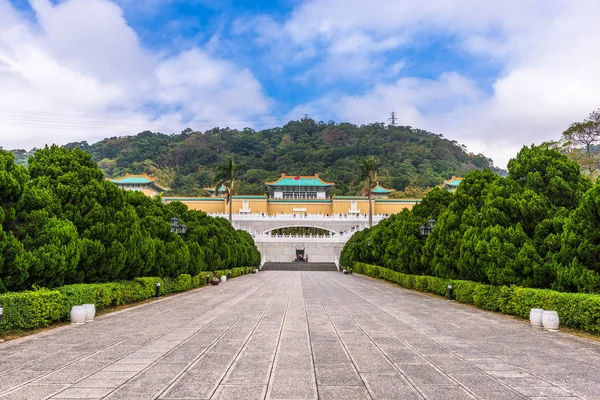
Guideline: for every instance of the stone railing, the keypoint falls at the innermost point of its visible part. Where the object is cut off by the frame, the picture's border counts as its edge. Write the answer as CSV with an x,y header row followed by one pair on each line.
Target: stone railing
x,y
288,217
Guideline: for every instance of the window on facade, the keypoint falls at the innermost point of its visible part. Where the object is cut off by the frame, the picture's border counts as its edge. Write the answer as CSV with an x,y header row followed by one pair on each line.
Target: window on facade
x,y
299,195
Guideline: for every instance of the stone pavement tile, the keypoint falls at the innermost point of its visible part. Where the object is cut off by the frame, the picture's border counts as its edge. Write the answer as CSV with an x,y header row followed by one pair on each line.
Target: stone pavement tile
x,y
404,356
99,383
480,382
249,372
193,386
238,392
18,377
554,398
491,364
338,374
343,393
510,374
545,391
125,367
213,361
113,375
445,393
298,362
33,392
373,363
532,382
157,377
293,386
501,395
57,361
82,393
73,372
330,356
452,364
389,386
423,374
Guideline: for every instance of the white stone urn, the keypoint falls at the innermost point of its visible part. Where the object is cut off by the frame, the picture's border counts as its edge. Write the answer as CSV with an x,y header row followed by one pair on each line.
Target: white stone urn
x,y
535,317
223,278
90,312
550,320
78,315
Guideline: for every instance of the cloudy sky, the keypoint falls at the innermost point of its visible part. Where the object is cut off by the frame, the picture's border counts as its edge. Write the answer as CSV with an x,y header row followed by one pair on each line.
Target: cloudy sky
x,y
493,75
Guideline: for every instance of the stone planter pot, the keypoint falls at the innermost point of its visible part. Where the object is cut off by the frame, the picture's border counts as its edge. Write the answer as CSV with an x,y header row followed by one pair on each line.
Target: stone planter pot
x,y
223,278
90,312
215,281
535,317
550,320
78,315
345,271
254,270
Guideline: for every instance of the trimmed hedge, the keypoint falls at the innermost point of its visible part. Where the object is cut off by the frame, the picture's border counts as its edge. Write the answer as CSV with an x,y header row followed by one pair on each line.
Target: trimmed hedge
x,y
34,309
29,310
577,310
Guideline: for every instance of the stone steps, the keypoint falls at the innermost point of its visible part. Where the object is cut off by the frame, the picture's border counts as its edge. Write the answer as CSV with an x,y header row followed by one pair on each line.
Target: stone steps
x,y
298,266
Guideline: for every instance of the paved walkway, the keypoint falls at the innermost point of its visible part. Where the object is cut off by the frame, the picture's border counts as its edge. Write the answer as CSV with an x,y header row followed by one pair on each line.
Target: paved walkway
x,y
300,335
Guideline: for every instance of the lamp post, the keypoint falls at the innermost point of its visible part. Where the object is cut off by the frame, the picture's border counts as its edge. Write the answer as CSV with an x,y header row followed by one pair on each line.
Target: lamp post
x,y
450,296
180,229
1,315
157,290
425,230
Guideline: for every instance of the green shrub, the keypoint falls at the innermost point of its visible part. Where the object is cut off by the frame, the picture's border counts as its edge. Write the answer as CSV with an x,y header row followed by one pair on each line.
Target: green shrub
x,y
577,310
30,309
179,284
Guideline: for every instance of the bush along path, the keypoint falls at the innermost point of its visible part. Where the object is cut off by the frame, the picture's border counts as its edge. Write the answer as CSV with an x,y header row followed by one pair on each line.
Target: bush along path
x,y
39,308
576,310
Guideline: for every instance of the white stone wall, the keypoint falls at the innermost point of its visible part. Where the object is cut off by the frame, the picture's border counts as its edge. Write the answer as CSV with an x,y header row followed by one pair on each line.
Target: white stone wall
x,y
286,251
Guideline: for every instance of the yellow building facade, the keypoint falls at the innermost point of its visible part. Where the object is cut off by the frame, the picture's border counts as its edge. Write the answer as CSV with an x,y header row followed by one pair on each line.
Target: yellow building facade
x,y
299,195
287,195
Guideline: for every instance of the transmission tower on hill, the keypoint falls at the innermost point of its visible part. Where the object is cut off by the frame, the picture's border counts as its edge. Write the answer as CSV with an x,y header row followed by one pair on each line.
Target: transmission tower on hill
x,y
392,119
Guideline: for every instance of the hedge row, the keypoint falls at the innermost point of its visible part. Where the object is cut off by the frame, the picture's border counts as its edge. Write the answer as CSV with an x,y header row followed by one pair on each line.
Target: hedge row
x,y
34,309
577,310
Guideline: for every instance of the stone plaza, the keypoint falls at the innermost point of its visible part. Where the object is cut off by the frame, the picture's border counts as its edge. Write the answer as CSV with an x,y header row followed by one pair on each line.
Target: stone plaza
x,y
300,335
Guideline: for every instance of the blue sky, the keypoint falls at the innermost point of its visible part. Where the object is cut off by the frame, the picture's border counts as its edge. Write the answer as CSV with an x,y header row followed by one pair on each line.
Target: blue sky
x,y
493,76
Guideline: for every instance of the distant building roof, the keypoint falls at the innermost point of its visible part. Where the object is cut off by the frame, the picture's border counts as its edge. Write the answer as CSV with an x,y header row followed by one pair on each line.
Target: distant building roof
x,y
452,183
381,190
131,179
211,190
291,180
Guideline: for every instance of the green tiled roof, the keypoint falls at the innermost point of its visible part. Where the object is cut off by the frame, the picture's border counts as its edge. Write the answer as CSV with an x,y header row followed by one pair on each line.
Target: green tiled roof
x,y
223,189
397,200
454,182
131,180
250,196
381,190
193,199
136,180
303,181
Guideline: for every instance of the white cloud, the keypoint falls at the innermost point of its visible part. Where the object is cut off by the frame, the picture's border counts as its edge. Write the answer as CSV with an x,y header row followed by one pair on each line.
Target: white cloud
x,y
547,50
80,73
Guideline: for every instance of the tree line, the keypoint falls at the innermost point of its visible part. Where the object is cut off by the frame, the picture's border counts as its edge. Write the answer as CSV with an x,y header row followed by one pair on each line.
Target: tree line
x,y
412,158
536,227
61,222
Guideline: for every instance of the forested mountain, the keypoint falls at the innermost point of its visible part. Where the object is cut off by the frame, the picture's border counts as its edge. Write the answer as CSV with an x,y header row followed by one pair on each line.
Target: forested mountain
x,y
184,162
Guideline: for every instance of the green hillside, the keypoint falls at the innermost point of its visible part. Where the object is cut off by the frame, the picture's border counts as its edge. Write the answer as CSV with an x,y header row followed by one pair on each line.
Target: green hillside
x,y
183,162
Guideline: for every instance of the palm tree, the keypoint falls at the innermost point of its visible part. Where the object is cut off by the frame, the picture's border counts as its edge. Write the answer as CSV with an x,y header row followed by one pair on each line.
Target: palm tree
x,y
225,175
368,168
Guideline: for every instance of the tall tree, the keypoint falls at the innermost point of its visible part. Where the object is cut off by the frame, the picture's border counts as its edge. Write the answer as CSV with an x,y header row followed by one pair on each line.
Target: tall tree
x,y
581,140
226,175
368,168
